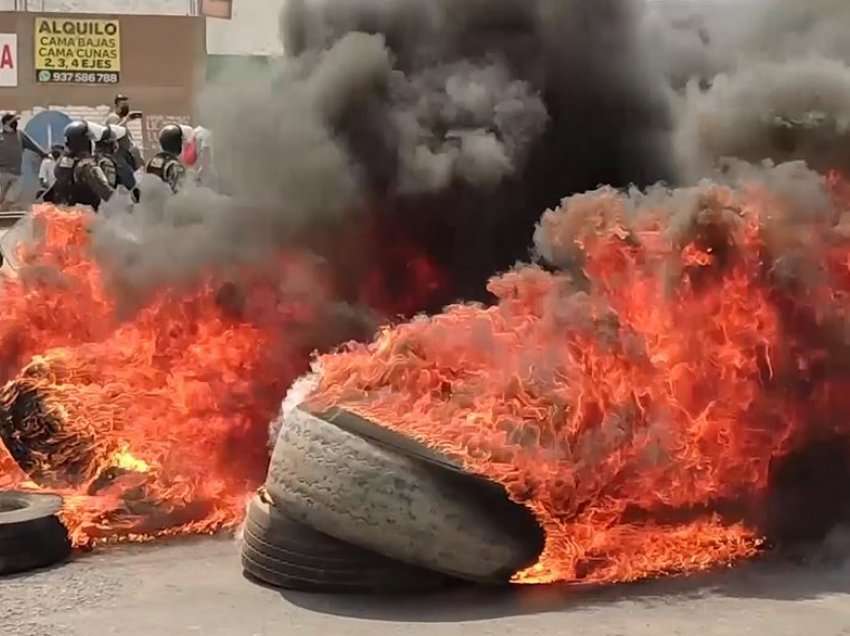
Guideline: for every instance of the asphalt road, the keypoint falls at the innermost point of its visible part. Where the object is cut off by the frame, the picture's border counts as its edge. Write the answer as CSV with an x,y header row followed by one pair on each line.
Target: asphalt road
x,y
195,588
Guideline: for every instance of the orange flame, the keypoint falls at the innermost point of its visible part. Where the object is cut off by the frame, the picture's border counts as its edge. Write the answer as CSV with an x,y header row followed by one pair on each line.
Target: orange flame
x,y
149,427
636,407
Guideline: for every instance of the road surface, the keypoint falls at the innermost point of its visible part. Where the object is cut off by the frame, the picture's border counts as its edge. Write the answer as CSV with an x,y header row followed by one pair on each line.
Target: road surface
x,y
195,587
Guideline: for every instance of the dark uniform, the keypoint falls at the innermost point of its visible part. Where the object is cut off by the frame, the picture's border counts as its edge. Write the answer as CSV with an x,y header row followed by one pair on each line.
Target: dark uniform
x,y
110,169
104,152
79,179
115,159
127,163
166,164
167,167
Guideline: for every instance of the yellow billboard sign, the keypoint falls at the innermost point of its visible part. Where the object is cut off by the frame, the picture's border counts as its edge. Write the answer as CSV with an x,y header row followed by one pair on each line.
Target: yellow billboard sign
x,y
77,50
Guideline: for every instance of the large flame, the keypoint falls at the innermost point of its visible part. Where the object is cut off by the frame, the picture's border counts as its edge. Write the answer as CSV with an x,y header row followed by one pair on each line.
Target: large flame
x,y
636,404
151,426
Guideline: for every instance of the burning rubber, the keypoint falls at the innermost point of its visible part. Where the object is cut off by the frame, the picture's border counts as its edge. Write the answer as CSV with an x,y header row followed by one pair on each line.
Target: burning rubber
x,y
359,483
667,395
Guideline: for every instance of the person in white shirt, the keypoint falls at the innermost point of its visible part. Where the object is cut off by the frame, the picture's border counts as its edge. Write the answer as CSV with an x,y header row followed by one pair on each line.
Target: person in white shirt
x,y
197,155
46,172
121,115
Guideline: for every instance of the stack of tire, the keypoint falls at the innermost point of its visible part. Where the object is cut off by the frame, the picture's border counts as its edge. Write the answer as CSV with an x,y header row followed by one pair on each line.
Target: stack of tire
x,y
351,506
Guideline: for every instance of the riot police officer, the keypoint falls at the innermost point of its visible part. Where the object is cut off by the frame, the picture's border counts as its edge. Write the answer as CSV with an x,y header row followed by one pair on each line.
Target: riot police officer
x,y
113,158
104,153
79,179
166,164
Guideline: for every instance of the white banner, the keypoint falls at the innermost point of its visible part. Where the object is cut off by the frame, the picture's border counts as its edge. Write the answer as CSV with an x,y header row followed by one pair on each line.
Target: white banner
x,y
8,59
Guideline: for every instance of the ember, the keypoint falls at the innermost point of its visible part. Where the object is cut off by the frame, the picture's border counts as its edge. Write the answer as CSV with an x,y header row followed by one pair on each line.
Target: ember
x,y
637,399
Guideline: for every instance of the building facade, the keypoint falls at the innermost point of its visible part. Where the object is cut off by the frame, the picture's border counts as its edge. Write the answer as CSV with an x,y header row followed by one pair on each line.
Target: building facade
x,y
66,59
58,67
252,30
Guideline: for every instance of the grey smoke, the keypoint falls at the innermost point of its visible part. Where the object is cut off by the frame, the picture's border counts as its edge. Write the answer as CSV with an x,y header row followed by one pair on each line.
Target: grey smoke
x,y
768,109
768,80
467,122
443,120
460,121
276,136
453,122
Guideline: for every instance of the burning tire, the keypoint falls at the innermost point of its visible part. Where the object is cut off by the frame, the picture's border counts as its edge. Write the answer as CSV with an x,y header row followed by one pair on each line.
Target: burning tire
x,y
367,486
282,553
808,493
31,535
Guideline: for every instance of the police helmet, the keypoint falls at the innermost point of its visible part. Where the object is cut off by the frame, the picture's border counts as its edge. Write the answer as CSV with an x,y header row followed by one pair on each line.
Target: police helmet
x,y
171,139
77,136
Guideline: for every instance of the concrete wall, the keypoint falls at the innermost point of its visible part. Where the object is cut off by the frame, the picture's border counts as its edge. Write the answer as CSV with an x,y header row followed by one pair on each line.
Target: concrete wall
x,y
163,58
162,61
252,31
163,65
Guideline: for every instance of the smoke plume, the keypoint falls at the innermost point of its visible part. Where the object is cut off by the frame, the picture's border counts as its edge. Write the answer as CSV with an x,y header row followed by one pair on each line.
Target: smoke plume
x,y
442,124
755,81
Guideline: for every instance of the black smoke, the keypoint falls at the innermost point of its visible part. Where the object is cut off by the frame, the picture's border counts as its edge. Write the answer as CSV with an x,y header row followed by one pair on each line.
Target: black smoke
x,y
492,112
448,124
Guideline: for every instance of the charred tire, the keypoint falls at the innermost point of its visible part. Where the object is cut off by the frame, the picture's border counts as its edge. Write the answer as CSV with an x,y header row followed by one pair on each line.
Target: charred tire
x,y
282,553
808,494
362,484
31,535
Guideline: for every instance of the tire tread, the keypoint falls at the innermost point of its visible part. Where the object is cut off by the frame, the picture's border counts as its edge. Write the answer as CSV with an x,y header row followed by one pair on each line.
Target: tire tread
x,y
315,562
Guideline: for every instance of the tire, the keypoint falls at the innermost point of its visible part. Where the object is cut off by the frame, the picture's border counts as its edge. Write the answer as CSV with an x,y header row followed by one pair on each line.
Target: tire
x,y
282,553
808,494
362,484
31,535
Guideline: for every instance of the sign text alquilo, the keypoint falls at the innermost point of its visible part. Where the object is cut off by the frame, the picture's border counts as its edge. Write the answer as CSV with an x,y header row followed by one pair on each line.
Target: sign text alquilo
x,y
77,51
